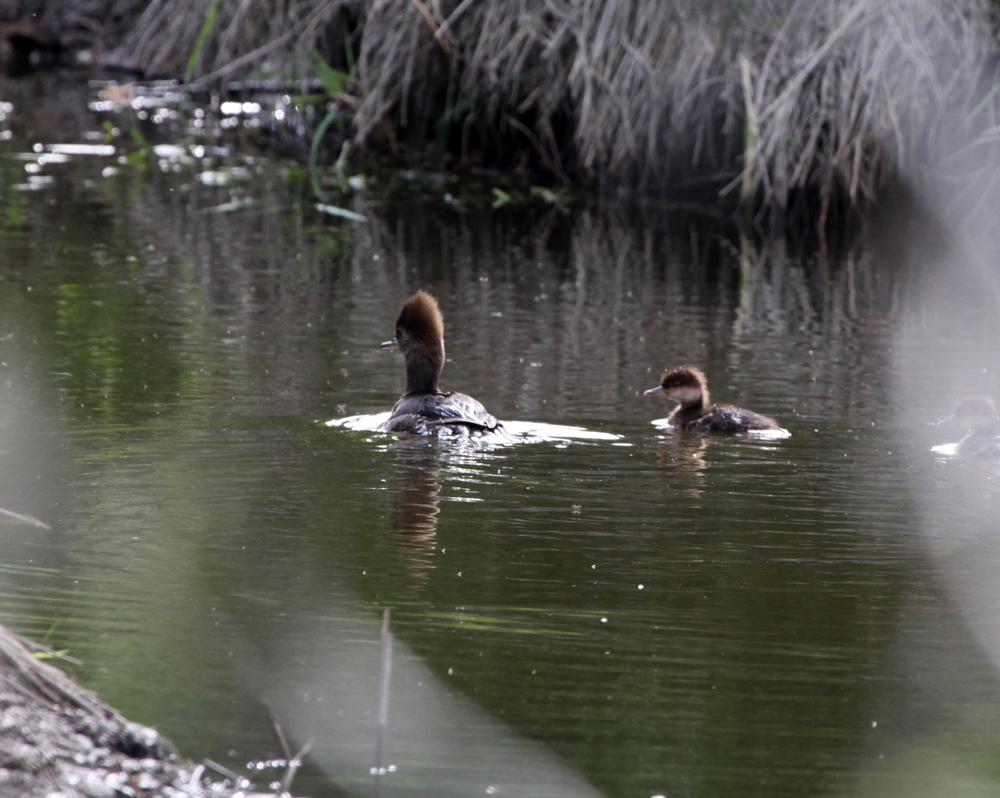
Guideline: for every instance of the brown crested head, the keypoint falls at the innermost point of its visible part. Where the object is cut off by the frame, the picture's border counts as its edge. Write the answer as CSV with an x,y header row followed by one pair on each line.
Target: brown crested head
x,y
420,319
683,377
420,337
685,385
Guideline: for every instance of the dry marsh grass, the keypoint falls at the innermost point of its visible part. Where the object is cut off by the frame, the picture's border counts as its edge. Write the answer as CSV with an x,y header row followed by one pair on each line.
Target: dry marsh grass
x,y
814,96
782,101
223,39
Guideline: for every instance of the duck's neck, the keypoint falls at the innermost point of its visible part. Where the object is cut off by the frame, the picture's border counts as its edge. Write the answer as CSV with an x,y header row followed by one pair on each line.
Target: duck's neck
x,y
691,400
423,367
690,406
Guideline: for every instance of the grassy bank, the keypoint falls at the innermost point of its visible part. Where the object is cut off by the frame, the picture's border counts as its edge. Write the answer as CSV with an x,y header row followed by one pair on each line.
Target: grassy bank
x,y
799,106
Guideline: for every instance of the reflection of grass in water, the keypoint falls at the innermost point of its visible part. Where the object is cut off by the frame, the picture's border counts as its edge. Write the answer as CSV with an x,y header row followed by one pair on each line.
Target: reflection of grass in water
x,y
29,570
447,620
15,211
489,619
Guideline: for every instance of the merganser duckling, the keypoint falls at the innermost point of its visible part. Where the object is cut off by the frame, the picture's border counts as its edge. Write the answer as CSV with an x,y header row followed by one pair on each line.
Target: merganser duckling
x,y
423,409
686,386
979,415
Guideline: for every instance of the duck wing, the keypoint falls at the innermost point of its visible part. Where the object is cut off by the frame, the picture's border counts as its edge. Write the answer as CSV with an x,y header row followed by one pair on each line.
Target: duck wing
x,y
728,419
428,413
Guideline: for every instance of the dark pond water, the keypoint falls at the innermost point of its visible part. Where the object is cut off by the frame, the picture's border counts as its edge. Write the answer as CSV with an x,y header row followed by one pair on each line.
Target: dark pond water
x,y
638,613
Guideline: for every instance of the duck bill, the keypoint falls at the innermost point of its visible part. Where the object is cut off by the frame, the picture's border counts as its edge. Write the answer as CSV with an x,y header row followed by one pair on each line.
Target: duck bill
x,y
657,391
393,344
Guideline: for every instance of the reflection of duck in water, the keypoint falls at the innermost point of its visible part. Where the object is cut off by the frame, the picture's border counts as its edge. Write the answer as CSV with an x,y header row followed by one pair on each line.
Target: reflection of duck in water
x,y
683,459
979,415
686,386
422,408
415,487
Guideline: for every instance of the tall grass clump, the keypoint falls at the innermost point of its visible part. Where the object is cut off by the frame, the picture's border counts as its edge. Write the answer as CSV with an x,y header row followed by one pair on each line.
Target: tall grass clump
x,y
805,98
790,104
849,94
229,39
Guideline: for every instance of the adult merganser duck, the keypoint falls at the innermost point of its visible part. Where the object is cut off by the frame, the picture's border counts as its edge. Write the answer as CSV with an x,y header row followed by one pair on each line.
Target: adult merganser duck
x,y
423,409
686,386
979,415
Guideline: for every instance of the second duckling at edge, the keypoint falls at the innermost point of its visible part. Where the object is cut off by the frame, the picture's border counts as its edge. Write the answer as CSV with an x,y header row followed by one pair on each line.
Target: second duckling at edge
x,y
686,386
423,409
979,415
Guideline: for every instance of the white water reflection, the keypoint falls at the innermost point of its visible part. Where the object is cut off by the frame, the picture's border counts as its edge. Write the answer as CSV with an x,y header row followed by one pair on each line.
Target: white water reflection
x,y
515,431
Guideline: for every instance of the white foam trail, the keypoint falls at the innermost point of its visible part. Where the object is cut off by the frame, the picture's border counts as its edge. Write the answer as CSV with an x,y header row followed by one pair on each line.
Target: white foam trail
x,y
517,431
